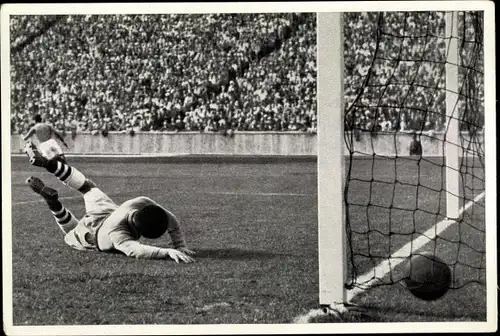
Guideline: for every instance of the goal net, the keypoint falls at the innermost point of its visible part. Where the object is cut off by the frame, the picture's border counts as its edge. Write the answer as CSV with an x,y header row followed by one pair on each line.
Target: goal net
x,y
411,76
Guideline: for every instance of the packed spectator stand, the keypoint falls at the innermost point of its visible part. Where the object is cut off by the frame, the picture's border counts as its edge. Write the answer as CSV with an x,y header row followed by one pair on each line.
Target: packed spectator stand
x,y
395,71
208,73
166,72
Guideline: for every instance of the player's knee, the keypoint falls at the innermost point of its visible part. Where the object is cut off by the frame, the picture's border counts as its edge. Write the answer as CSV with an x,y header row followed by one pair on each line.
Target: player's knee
x,y
87,186
91,184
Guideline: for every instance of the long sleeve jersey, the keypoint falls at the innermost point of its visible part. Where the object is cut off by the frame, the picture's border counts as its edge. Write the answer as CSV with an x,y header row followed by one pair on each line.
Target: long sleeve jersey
x,y
115,232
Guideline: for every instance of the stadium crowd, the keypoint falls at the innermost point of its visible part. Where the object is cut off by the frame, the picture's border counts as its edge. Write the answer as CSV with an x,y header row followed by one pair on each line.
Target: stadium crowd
x,y
395,81
218,72
168,72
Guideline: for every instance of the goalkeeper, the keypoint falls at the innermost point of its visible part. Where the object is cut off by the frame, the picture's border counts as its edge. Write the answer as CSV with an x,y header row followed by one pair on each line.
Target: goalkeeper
x,y
107,226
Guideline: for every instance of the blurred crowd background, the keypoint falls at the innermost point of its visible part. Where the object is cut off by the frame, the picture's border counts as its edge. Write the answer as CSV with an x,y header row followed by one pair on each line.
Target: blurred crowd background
x,y
395,71
231,72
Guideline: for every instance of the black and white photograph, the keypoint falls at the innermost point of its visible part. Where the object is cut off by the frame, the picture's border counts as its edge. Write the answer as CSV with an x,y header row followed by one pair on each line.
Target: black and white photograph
x,y
214,168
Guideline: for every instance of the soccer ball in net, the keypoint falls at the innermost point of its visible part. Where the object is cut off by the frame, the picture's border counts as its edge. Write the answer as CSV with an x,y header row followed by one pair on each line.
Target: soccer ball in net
x,y
428,277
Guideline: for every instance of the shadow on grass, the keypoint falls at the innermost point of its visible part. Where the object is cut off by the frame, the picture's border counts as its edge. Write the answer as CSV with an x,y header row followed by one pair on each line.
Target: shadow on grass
x,y
236,254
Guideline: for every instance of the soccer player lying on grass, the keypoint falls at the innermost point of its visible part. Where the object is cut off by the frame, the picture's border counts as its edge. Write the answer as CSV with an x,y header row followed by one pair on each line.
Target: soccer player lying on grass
x,y
45,133
106,226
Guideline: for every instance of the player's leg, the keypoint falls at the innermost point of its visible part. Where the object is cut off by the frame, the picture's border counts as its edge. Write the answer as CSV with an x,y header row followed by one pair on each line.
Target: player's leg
x,y
34,156
50,149
67,174
64,218
70,176
95,199
56,151
61,157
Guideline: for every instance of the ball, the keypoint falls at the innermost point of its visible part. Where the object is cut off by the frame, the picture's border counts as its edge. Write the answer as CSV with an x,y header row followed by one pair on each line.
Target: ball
x,y
428,277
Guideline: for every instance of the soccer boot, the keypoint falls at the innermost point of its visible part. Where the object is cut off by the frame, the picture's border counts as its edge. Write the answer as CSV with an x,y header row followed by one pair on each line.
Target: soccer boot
x,y
39,187
35,158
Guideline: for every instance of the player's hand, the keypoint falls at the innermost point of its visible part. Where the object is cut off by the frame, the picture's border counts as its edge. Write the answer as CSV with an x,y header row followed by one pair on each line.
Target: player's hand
x,y
186,251
178,256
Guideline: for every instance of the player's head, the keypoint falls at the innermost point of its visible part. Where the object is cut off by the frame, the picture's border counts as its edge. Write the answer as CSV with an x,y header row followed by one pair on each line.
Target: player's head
x,y
151,221
38,118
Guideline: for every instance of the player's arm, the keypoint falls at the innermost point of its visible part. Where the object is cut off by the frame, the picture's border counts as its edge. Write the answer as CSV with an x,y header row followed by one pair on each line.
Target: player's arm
x,y
123,239
132,248
175,232
30,133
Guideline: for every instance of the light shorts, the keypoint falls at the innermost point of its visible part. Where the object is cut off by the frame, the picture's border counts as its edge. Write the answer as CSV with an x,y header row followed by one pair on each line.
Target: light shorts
x,y
98,202
50,149
98,207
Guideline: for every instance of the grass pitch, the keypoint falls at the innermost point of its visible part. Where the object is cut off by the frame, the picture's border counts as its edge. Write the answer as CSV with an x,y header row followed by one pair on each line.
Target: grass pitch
x,y
253,226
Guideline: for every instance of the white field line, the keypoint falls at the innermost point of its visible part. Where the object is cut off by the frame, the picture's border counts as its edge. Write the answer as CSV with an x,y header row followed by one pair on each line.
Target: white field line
x,y
257,194
208,192
398,257
41,200
384,267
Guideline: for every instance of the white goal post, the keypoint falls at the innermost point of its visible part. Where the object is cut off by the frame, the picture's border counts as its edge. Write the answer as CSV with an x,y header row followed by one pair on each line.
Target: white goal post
x,y
331,151
452,138
330,97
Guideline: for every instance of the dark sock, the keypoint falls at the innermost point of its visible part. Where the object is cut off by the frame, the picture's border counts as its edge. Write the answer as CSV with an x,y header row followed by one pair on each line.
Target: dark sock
x,y
51,166
54,205
64,218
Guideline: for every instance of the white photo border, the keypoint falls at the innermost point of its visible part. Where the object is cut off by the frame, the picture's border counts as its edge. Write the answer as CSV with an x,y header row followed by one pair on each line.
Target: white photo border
x,y
261,7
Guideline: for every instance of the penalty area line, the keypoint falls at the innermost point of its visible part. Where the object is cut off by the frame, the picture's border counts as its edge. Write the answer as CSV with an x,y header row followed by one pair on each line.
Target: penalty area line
x,y
370,278
202,193
256,193
41,200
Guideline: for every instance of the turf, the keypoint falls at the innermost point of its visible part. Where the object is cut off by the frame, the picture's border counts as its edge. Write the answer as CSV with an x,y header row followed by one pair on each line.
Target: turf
x,y
253,226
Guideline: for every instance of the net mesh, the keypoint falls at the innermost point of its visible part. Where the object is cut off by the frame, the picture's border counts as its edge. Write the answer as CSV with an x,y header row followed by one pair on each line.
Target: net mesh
x,y
395,91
